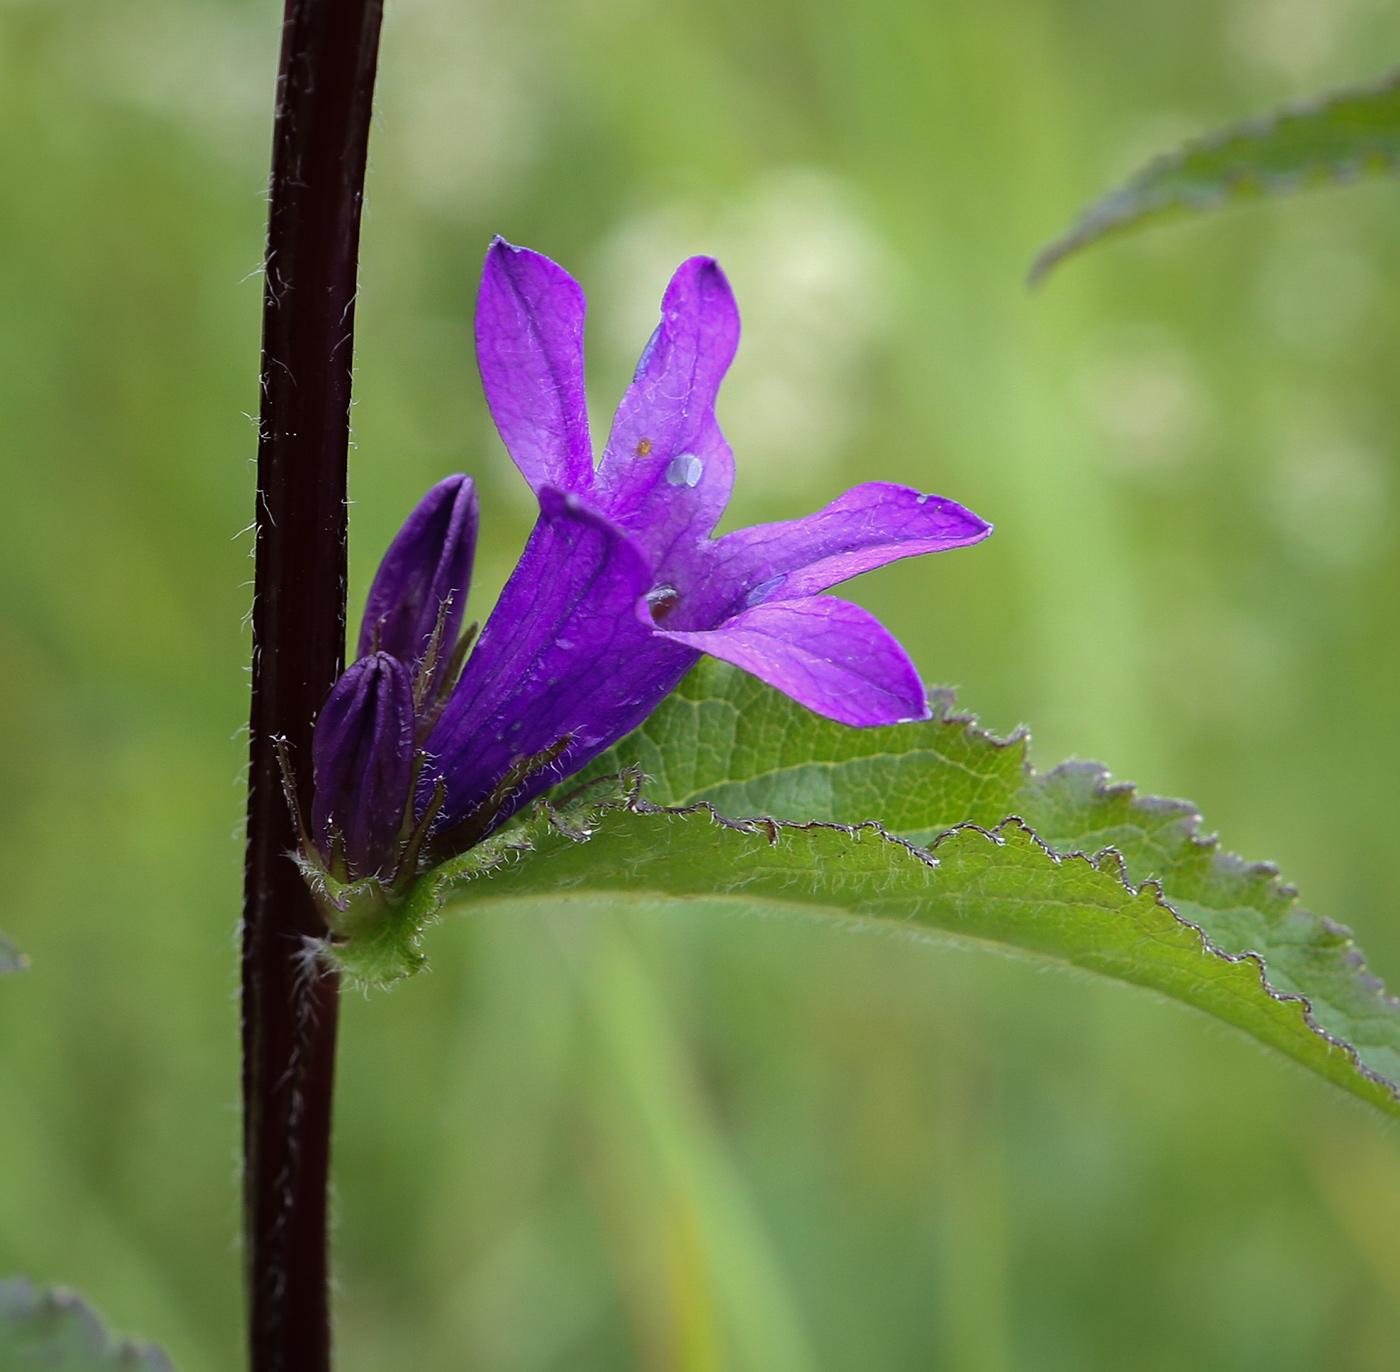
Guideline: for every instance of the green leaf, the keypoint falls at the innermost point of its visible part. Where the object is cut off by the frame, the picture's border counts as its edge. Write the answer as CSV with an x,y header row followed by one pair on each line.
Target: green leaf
x,y
55,1331
11,959
1341,137
1003,888
725,739
1088,873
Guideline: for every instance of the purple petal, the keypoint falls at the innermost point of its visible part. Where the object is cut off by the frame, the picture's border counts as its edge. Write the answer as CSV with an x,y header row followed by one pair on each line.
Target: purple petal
x,y
867,527
362,754
829,655
564,653
529,346
667,470
429,561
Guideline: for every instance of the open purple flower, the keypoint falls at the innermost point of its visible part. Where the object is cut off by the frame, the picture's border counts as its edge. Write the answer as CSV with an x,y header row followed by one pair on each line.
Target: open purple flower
x,y
622,585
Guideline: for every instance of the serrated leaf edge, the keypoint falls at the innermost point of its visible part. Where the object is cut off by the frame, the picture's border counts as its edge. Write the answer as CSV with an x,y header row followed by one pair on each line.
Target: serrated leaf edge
x,y
1109,861
1110,855
1174,825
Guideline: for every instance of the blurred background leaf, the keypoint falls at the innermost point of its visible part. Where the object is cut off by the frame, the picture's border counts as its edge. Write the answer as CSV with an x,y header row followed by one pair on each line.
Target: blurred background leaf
x,y
1337,138
56,1331
1189,446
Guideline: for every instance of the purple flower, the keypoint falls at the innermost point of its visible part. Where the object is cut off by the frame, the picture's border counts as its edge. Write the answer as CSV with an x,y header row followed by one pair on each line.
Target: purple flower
x,y
622,585
420,590
363,761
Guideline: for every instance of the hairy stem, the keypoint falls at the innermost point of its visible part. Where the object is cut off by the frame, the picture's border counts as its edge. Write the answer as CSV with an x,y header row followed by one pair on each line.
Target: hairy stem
x,y
324,94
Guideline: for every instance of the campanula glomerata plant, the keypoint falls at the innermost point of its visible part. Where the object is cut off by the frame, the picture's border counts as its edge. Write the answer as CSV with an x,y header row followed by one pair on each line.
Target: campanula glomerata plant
x,y
621,588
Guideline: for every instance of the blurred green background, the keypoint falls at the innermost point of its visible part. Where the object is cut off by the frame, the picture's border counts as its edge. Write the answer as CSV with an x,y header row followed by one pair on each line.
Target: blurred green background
x,y
680,1146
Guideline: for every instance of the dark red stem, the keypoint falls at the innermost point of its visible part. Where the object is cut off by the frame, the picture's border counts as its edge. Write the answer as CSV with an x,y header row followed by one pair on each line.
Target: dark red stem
x,y
324,93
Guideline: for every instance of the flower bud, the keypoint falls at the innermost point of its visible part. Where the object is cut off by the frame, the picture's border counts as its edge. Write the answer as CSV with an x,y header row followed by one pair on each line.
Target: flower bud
x,y
363,759
429,562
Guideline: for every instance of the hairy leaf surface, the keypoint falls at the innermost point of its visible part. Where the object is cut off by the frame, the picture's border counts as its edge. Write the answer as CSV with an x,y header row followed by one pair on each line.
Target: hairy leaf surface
x,y
1341,137
56,1331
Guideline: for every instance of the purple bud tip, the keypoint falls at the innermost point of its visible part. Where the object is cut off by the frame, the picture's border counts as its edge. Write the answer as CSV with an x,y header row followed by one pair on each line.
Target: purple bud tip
x,y
429,562
363,759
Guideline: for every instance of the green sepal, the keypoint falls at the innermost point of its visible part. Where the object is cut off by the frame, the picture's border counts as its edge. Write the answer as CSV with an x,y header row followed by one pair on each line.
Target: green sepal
x,y
57,1331
376,944
361,916
1341,137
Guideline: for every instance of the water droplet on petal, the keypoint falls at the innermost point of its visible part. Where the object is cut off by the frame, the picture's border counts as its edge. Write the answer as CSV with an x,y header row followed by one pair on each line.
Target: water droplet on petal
x,y
685,470
564,644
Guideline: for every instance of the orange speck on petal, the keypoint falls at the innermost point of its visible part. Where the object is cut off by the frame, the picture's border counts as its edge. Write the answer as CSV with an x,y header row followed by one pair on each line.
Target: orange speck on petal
x,y
644,447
